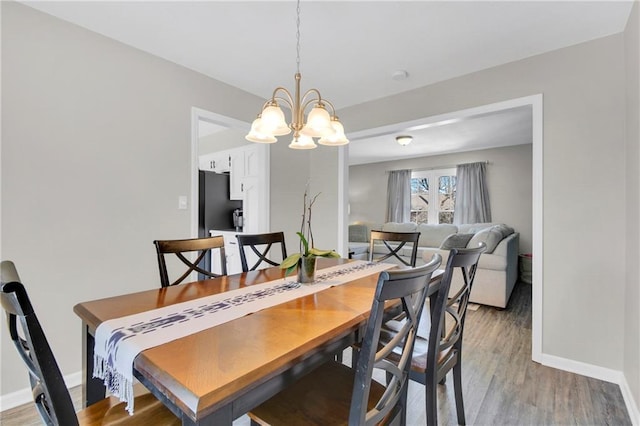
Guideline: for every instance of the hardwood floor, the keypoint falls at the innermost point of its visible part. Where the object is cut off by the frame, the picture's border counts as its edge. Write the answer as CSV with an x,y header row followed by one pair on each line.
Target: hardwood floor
x,y
502,386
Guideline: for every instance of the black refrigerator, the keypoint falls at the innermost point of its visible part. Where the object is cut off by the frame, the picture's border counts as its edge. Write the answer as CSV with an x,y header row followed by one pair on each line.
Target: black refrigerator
x,y
215,209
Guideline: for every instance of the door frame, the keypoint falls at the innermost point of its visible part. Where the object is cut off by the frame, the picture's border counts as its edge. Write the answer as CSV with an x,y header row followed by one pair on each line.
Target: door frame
x,y
198,114
536,104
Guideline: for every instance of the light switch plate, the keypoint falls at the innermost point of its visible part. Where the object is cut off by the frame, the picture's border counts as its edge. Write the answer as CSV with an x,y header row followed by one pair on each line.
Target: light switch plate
x,y
182,202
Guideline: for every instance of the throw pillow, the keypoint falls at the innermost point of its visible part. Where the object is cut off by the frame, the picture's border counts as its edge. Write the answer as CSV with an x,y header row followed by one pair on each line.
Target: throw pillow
x,y
490,236
456,241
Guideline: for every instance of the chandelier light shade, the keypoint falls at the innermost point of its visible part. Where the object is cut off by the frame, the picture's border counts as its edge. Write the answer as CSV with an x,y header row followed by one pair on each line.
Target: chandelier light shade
x,y
321,121
404,140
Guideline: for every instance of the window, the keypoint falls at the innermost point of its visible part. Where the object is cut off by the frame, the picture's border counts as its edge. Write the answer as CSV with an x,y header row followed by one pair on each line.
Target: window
x,y
436,205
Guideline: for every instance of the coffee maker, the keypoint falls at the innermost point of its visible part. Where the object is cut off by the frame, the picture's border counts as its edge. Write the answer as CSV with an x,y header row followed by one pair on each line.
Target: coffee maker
x,y
238,220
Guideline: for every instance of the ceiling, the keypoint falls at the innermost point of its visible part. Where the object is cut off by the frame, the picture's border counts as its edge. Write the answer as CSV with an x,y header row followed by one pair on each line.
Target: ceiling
x,y
350,49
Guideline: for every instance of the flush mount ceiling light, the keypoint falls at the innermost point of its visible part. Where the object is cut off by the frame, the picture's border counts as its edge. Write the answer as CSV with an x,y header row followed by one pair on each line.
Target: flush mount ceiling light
x,y
319,123
404,140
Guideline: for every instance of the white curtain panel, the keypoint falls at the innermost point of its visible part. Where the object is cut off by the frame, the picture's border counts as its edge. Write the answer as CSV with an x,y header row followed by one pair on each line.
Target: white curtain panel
x,y
472,195
399,196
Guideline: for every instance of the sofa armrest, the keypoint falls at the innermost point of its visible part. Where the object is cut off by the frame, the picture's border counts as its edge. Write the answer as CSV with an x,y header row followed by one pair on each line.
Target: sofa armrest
x,y
509,248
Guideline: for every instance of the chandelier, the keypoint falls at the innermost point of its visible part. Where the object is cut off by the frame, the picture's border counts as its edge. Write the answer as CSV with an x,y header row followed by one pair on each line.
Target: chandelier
x,y
319,123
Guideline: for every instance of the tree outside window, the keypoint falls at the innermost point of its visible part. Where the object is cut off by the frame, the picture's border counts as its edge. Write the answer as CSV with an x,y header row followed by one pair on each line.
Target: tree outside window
x,y
433,206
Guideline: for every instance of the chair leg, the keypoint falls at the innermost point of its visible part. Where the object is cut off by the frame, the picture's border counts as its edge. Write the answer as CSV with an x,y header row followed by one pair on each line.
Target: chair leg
x,y
431,396
403,404
457,387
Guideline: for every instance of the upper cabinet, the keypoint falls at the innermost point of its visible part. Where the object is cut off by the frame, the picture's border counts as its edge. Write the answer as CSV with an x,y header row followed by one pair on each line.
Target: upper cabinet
x,y
219,162
246,162
238,169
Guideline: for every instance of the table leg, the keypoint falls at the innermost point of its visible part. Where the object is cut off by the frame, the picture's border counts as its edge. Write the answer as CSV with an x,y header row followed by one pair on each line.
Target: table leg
x,y
92,389
218,418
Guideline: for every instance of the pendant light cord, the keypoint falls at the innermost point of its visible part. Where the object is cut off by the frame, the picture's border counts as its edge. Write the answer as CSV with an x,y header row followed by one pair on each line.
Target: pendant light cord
x,y
298,38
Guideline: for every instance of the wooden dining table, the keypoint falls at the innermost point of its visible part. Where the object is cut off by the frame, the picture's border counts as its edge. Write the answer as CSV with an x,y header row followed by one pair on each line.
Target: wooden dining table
x,y
215,376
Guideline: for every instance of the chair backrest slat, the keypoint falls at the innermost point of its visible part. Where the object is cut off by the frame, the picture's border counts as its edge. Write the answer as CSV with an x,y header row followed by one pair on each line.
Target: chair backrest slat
x,y
203,246
265,243
50,393
450,319
408,288
394,242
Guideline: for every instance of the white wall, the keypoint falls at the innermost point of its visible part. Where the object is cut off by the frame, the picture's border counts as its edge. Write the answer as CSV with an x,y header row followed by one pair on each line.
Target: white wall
x,y
508,180
584,106
95,152
632,156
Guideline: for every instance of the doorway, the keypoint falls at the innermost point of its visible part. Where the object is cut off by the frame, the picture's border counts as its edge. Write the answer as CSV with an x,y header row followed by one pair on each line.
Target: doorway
x,y
535,104
222,133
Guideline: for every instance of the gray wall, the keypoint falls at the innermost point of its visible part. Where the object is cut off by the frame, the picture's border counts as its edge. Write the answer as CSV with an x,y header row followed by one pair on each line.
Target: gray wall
x,y
508,180
96,142
220,141
632,287
584,108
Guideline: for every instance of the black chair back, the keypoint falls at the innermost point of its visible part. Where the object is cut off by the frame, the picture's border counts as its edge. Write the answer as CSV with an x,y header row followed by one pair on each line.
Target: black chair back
x,y
50,393
394,250
260,244
201,245
444,346
409,288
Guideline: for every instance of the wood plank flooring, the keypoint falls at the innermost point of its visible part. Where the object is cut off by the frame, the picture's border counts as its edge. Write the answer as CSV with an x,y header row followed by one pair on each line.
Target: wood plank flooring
x,y
502,386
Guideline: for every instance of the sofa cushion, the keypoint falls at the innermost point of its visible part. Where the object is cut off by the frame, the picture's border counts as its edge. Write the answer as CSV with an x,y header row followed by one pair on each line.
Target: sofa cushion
x,y
434,235
490,236
399,227
472,228
456,241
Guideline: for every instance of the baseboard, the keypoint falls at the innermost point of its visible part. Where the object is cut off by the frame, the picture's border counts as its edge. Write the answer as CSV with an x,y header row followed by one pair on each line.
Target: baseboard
x,y
630,402
584,369
24,396
600,373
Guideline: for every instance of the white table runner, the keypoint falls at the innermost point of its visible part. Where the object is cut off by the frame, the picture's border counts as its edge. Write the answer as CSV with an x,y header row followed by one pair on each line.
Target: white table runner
x,y
119,341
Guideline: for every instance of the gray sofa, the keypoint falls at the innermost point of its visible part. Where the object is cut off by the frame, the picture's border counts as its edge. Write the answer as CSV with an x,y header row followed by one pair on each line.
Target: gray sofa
x,y
498,267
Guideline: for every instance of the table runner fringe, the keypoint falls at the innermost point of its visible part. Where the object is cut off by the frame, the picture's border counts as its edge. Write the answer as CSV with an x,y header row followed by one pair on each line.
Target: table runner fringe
x,y
117,384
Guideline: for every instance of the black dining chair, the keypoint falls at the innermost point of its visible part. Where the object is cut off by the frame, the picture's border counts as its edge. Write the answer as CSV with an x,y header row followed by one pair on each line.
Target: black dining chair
x,y
50,393
203,246
260,245
336,394
441,351
390,244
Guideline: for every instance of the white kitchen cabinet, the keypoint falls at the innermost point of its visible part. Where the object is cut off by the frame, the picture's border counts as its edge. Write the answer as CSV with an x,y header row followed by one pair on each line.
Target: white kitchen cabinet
x,y
246,162
219,162
248,181
237,173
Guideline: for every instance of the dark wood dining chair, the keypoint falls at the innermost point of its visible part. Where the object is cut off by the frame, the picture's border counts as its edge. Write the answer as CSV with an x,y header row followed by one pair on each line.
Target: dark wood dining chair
x,y
203,246
260,245
50,393
336,394
393,242
441,351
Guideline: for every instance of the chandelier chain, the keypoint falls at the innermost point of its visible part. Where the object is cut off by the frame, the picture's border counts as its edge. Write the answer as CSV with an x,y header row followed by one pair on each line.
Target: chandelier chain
x,y
298,37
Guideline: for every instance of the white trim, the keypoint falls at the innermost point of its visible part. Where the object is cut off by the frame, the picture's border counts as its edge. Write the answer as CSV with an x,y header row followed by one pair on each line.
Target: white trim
x,y
452,117
198,114
600,373
537,181
632,407
343,200
24,396
536,103
584,369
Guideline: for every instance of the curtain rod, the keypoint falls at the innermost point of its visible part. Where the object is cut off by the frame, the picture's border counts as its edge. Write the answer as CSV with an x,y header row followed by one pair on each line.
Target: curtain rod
x,y
424,169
